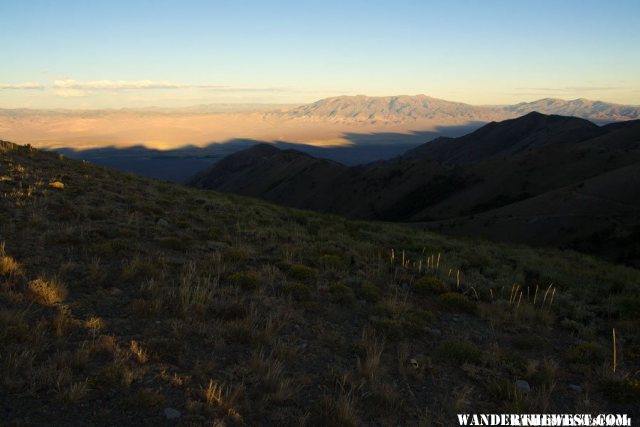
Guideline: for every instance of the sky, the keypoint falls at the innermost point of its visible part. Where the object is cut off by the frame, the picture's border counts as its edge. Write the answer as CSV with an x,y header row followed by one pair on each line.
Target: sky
x,y
114,54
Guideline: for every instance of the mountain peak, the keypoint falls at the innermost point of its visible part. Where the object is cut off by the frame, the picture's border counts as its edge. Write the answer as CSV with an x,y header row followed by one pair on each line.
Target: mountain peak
x,y
530,131
262,148
362,109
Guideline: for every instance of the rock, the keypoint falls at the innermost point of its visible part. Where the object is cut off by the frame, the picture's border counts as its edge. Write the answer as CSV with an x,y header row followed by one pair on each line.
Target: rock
x,y
171,413
523,386
115,291
162,223
575,388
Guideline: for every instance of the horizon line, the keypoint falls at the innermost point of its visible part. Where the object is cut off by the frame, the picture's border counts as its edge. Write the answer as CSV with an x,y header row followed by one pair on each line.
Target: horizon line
x,y
294,104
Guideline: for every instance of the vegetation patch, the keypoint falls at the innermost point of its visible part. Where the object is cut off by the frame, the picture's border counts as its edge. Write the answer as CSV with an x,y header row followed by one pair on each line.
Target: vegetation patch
x,y
247,280
429,285
459,352
454,301
341,294
299,291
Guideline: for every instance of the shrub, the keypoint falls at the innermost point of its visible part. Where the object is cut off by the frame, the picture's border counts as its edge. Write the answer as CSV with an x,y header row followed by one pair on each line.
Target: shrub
x,y
370,292
456,302
621,391
235,255
415,321
459,352
629,308
341,294
146,398
247,280
429,285
172,243
390,328
111,375
334,262
302,272
298,291
586,353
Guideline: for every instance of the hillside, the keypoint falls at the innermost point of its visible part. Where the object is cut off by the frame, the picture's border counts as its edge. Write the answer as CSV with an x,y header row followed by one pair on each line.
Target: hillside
x,y
505,139
264,169
607,205
448,182
128,301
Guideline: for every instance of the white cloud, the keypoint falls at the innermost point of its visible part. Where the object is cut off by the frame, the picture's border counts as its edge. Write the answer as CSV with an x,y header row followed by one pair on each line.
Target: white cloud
x,y
151,84
217,88
22,86
115,84
70,93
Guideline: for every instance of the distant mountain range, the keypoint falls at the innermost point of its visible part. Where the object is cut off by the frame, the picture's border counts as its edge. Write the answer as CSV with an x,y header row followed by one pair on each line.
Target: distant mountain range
x,y
377,109
537,179
400,109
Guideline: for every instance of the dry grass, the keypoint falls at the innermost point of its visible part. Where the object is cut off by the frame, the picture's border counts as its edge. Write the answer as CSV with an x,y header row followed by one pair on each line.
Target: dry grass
x,y
138,352
194,293
370,366
140,314
8,265
218,395
47,292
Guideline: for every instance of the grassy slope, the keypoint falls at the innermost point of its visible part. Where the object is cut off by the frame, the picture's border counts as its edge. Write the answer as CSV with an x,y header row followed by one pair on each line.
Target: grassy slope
x,y
122,296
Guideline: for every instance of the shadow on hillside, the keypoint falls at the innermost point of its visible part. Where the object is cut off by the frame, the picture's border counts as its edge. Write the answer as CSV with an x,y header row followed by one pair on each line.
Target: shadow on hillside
x,y
180,164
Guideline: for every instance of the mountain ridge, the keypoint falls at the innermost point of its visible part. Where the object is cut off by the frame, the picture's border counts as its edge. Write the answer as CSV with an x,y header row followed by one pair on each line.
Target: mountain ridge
x,y
398,108
495,166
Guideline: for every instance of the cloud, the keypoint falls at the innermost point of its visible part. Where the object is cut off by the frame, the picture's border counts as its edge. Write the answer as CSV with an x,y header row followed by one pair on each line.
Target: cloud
x,y
71,93
219,88
22,86
76,88
116,85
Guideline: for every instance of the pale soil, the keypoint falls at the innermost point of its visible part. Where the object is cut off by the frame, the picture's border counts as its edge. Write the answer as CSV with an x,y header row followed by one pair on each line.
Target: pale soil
x,y
168,131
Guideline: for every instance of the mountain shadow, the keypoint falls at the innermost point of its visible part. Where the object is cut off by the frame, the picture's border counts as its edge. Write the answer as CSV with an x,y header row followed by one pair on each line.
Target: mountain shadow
x,y
538,169
180,164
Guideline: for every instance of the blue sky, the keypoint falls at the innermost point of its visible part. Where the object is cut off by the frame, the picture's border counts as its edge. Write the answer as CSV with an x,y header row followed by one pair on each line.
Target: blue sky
x,y
170,53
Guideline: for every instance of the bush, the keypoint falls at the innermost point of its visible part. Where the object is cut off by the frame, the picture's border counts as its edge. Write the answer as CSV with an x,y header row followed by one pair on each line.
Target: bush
x,y
173,243
428,286
341,294
247,280
390,328
332,262
298,291
370,292
621,391
459,352
300,272
415,321
456,302
234,255
629,308
586,353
